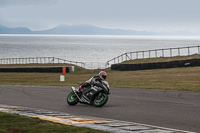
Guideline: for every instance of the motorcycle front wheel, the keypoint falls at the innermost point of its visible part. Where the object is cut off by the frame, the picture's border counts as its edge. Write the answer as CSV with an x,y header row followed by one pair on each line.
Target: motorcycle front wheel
x,y
100,99
72,99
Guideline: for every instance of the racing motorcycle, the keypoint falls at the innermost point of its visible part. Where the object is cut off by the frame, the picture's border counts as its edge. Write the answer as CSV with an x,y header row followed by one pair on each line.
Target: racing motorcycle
x,y
96,94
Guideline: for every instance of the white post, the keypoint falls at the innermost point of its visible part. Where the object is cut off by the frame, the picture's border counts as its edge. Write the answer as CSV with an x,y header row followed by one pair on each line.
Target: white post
x,y
62,78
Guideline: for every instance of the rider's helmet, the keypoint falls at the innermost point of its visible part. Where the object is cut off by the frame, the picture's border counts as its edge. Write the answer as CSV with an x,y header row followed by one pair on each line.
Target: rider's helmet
x,y
103,75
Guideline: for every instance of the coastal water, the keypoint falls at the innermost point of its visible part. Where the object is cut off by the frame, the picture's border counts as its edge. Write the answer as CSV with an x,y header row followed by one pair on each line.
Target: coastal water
x,y
85,48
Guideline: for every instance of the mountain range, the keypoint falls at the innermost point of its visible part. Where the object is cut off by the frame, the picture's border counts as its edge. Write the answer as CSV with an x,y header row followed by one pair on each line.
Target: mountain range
x,y
73,30
84,30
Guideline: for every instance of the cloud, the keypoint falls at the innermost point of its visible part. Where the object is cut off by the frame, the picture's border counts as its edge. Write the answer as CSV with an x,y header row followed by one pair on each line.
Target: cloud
x,y
129,14
26,2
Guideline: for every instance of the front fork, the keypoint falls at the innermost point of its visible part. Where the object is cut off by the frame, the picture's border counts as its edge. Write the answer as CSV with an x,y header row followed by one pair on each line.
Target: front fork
x,y
74,90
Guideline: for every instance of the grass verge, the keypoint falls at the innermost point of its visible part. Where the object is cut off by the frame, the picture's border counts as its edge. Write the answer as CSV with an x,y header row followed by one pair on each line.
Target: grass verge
x,y
11,123
171,79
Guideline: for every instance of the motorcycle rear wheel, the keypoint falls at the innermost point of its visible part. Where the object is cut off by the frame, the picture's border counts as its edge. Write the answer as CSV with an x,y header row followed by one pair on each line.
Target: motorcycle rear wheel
x,y
100,99
72,99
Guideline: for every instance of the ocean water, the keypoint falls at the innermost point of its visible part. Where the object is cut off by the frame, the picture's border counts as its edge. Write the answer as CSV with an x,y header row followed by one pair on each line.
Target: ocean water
x,y
86,48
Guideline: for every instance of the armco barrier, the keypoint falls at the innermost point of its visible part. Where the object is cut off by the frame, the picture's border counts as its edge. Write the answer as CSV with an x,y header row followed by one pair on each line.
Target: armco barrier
x,y
47,69
158,65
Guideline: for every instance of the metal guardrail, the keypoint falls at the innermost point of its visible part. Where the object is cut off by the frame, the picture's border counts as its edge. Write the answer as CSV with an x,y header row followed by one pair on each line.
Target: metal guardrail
x,y
95,65
52,60
168,52
39,60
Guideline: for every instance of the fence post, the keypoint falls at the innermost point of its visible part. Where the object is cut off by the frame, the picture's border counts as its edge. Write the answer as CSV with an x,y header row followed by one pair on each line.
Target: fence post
x,y
131,55
170,52
136,55
163,53
156,53
188,50
127,57
149,54
178,51
143,54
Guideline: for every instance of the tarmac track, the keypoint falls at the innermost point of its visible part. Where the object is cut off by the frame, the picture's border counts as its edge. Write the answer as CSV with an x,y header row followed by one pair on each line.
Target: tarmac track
x,y
170,109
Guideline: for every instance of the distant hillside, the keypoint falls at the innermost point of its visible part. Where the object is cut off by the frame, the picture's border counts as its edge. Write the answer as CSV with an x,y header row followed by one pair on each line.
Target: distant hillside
x,y
86,30
90,30
18,30
73,30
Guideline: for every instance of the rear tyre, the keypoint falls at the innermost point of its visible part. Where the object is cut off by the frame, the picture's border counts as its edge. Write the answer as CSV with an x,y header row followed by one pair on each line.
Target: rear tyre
x,y
72,99
100,99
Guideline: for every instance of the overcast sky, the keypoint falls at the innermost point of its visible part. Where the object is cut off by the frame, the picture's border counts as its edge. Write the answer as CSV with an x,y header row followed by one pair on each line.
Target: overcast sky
x,y
148,15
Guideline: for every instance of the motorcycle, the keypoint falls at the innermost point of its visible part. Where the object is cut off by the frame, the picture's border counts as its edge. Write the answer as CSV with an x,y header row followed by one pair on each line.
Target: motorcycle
x,y
96,95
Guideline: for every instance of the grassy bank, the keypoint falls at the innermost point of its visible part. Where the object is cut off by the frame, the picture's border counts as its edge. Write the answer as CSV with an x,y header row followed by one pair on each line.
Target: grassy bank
x,y
11,123
172,79
169,79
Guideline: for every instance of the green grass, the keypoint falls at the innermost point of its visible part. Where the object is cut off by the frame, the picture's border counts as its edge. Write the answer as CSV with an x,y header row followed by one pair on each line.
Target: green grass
x,y
168,79
187,78
11,123
171,79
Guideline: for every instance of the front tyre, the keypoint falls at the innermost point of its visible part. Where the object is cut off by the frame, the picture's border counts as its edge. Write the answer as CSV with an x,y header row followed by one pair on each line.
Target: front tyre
x,y
72,99
100,99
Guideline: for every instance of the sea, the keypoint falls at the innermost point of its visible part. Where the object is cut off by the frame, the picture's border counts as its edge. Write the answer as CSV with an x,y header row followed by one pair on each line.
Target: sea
x,y
87,48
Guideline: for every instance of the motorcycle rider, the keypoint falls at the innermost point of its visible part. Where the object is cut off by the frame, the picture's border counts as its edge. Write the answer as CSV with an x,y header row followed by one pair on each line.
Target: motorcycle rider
x,y
93,91
95,80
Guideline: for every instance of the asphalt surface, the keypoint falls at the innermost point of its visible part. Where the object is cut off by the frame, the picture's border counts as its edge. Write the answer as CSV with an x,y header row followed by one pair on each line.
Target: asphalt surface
x,y
170,109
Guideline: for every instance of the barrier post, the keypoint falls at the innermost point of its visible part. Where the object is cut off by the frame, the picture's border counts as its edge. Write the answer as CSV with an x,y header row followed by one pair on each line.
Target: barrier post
x,y
64,69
